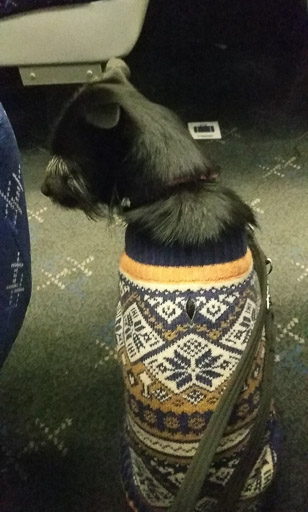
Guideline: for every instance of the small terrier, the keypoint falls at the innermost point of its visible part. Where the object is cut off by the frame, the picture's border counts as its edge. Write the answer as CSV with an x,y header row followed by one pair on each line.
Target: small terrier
x,y
188,292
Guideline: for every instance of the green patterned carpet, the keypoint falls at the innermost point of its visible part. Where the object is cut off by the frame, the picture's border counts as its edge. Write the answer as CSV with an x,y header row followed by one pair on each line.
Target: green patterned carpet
x,y
61,390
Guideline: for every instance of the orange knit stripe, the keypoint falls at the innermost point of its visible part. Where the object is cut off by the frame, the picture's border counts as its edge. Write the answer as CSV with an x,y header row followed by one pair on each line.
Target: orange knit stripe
x,y
208,273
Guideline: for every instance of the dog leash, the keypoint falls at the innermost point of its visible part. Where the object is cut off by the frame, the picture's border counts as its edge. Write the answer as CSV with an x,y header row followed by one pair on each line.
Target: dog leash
x,y
232,491
187,496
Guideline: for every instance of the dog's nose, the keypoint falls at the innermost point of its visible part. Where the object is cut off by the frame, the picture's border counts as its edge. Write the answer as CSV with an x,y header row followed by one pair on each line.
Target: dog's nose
x,y
45,189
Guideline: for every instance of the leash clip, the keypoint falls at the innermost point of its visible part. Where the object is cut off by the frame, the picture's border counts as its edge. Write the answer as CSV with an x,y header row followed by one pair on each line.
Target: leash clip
x,y
268,298
268,263
250,228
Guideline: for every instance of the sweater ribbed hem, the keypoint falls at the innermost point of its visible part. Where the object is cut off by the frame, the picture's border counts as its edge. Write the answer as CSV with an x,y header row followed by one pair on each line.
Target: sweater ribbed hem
x,y
141,248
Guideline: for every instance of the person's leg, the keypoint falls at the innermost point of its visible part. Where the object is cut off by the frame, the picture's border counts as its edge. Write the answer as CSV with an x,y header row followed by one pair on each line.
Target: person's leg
x,y
15,265
15,286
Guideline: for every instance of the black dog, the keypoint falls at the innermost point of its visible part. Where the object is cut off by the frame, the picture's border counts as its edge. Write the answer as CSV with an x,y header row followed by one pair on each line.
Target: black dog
x,y
188,293
114,147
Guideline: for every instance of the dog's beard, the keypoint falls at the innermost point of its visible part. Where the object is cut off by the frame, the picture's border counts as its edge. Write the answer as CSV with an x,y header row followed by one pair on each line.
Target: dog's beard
x,y
65,185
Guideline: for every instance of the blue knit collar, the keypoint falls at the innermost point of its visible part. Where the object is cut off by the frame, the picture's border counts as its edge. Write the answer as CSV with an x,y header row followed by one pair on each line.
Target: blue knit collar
x,y
140,247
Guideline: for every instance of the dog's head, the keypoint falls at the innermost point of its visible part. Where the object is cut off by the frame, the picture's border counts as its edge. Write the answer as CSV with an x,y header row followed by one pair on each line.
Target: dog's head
x,y
111,143
85,145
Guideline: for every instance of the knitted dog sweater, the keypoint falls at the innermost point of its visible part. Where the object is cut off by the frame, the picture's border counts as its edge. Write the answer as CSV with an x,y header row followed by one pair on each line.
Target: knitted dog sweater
x,y
183,321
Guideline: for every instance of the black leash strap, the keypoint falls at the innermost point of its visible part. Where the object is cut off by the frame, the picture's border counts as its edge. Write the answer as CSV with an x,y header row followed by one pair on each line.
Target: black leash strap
x,y
188,494
235,485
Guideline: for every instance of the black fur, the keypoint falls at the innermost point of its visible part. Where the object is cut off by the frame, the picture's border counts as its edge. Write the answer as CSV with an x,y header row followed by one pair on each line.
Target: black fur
x,y
113,148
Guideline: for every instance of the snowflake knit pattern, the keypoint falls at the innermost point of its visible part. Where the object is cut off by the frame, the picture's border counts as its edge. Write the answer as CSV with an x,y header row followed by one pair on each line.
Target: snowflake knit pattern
x,y
183,321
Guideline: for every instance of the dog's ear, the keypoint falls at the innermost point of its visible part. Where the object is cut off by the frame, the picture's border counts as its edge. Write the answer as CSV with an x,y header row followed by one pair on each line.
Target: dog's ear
x,y
97,103
98,107
104,116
